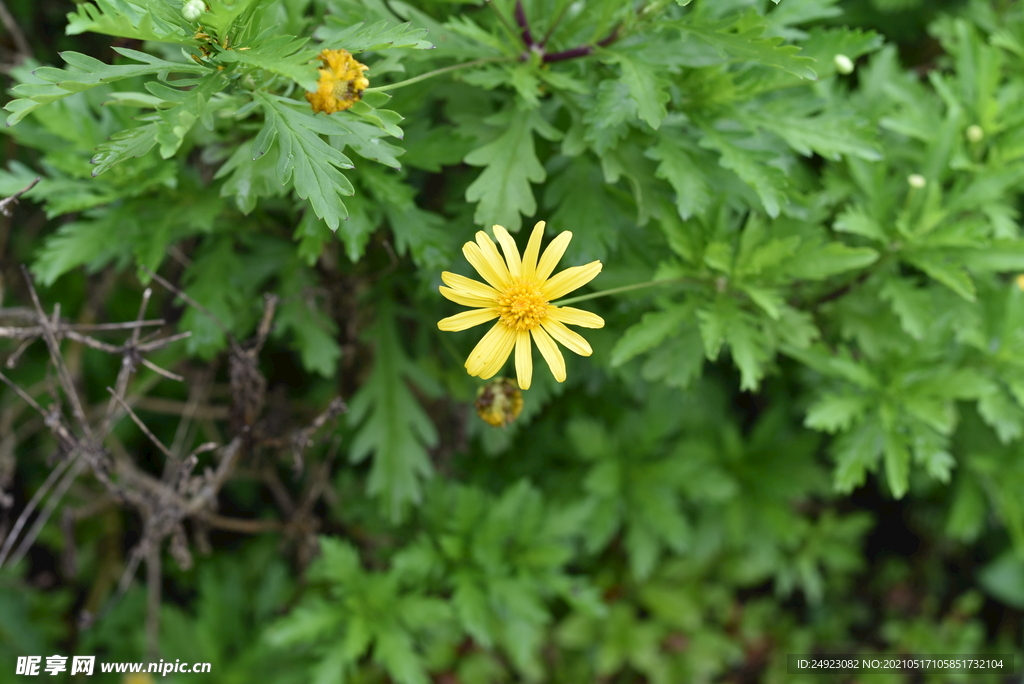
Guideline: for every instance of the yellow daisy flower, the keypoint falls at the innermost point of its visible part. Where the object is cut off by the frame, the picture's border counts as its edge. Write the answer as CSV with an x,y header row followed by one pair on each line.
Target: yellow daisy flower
x,y
341,83
518,294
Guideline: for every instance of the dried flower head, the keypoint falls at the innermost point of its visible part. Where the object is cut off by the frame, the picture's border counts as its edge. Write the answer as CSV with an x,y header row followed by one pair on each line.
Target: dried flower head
x,y
341,83
499,402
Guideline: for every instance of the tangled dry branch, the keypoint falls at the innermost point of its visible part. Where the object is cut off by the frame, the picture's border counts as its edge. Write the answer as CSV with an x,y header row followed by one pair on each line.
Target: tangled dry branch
x,y
86,444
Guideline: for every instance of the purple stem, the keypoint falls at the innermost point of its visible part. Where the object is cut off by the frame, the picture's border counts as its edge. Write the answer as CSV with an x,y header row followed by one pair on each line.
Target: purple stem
x,y
524,25
582,50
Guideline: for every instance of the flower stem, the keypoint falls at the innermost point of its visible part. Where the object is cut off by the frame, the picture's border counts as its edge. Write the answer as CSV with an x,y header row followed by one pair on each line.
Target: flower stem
x,y
435,72
617,290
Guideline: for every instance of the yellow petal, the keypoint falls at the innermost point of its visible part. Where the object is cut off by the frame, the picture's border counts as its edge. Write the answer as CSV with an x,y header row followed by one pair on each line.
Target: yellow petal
x,y
532,251
497,278
570,279
549,350
524,359
552,255
567,314
469,286
508,246
502,348
460,297
490,252
572,340
467,319
489,348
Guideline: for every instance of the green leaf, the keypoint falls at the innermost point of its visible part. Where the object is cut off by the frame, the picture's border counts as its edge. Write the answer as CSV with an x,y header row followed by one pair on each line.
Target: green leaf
x,y
714,323
306,161
836,412
381,35
394,650
856,452
741,39
390,422
314,333
678,360
609,117
1003,414
913,306
282,55
750,351
1001,256
947,270
646,88
1004,579
828,260
157,21
88,73
968,511
681,171
75,244
827,134
767,181
651,331
127,144
896,458
857,221
503,188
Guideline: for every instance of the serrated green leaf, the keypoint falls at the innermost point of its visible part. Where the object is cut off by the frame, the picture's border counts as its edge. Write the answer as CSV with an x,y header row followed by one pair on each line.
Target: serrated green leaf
x,y
390,423
857,221
306,161
378,36
946,270
281,55
913,306
827,134
651,331
678,361
502,190
646,88
767,181
313,332
89,73
829,260
836,412
749,351
856,452
743,39
155,21
681,171
126,144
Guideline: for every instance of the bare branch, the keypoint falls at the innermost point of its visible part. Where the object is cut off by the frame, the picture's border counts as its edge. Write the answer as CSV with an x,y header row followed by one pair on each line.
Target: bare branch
x,y
33,502
7,203
142,426
198,307
58,493
62,370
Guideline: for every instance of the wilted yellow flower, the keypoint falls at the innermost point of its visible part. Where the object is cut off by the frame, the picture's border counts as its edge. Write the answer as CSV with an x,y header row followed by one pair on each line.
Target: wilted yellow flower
x,y
499,402
518,295
341,83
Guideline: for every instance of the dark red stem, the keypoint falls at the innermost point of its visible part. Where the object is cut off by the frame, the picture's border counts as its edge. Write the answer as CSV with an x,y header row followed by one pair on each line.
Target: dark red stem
x,y
524,25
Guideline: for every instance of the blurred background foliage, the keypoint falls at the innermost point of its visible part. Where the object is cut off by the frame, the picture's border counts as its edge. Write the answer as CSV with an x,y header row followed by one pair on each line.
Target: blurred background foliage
x,y
809,441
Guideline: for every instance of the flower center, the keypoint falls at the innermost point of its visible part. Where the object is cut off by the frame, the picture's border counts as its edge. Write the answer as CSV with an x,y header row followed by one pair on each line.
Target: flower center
x,y
522,305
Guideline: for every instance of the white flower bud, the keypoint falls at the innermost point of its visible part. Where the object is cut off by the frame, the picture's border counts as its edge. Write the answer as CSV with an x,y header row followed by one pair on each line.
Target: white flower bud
x,y
975,133
916,181
844,64
192,9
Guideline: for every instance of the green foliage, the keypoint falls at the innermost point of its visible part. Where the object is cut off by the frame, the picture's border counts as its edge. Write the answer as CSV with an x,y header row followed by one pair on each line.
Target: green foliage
x,y
818,335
